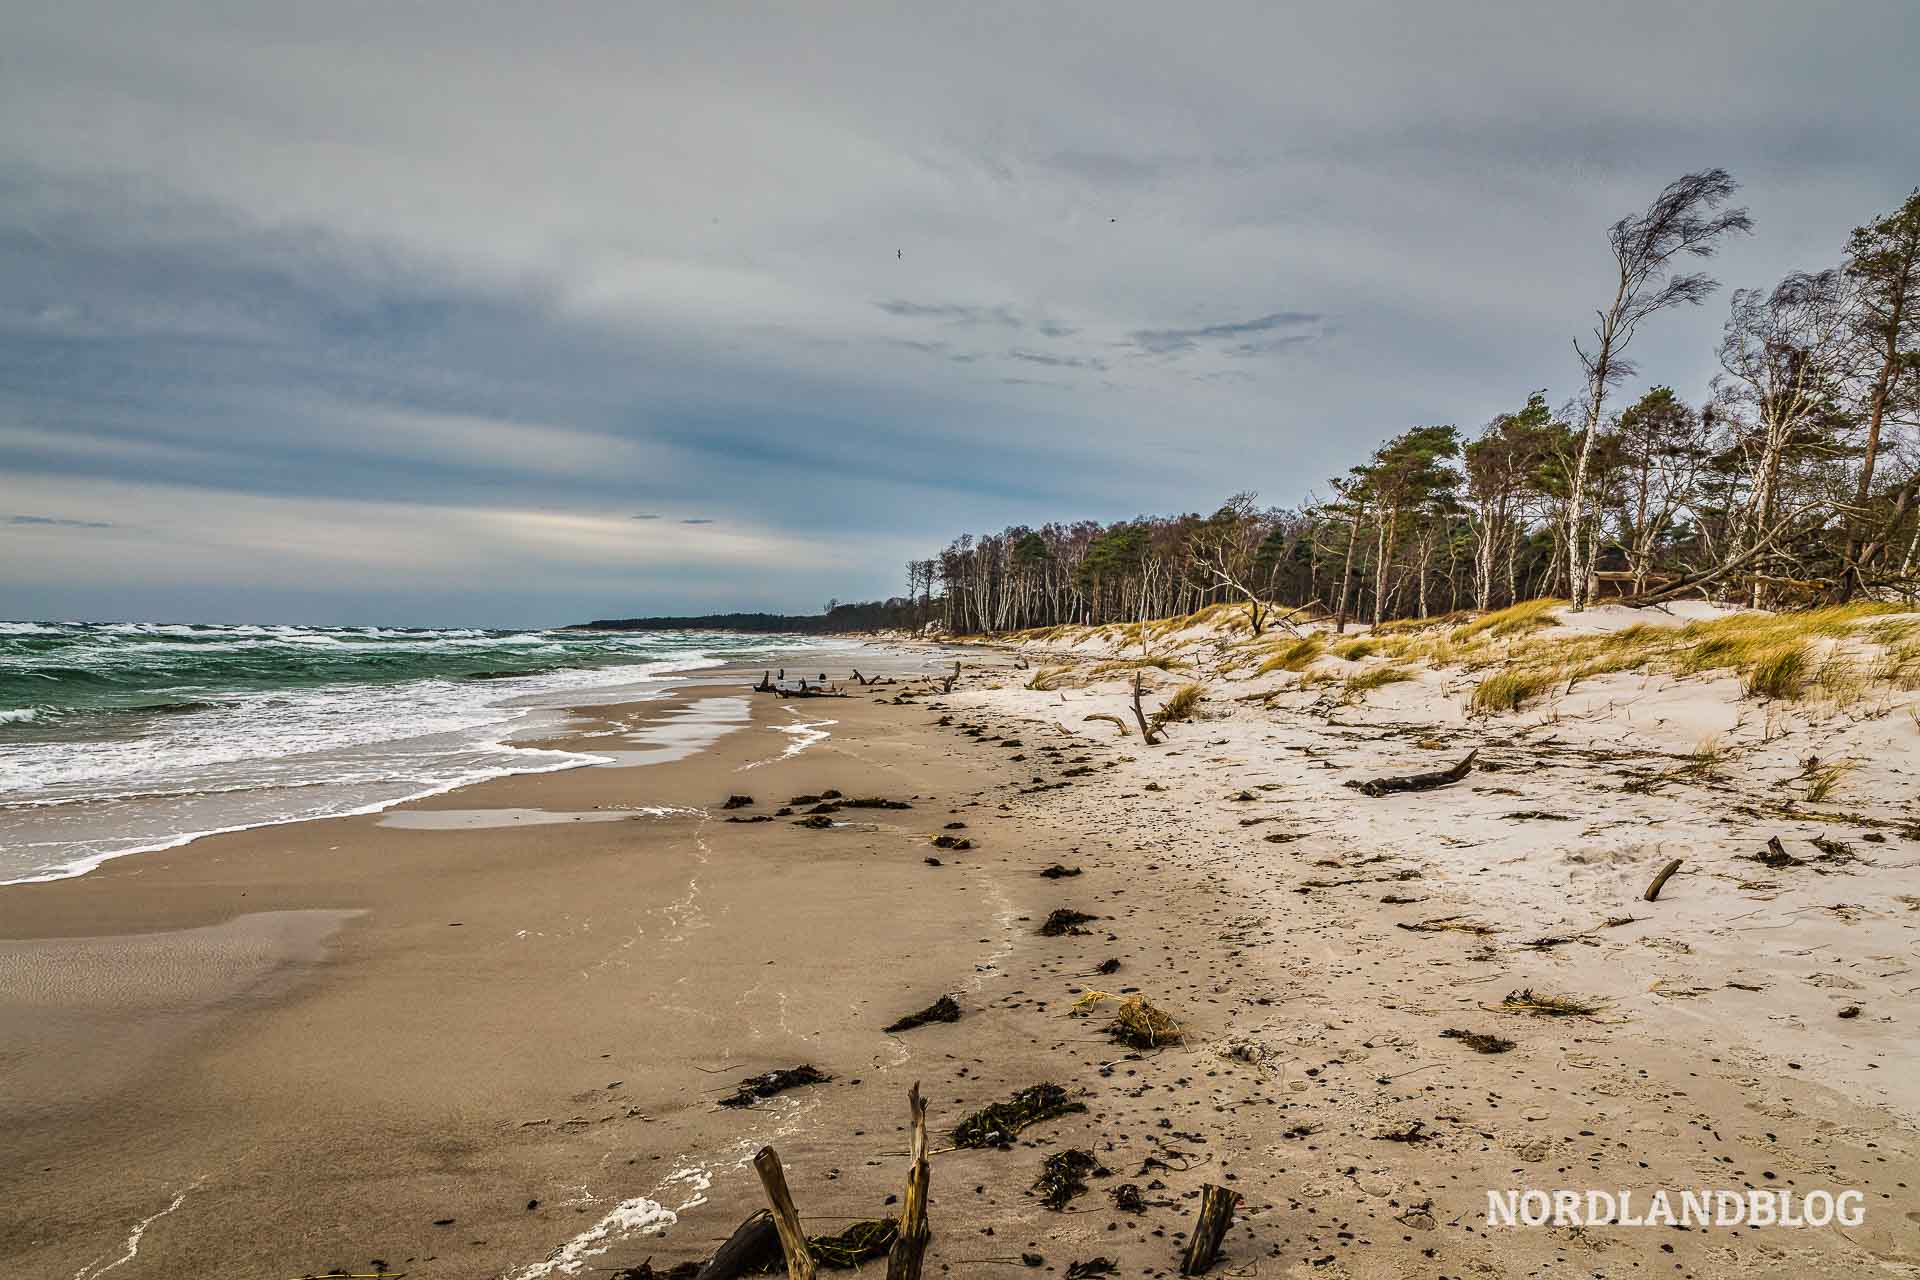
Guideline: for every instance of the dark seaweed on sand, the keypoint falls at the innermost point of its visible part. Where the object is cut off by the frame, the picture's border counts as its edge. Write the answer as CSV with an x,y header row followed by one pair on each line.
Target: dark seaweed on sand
x,y
996,1125
1064,1176
858,1243
945,1009
1478,1041
754,1088
1065,920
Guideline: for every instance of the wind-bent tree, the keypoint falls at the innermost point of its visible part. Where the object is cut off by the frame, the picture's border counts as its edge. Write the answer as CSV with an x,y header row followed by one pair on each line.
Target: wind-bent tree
x,y
1685,220
1785,356
1883,262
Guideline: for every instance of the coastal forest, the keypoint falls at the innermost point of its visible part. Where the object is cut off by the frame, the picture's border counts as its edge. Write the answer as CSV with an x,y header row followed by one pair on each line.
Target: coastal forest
x,y
1793,478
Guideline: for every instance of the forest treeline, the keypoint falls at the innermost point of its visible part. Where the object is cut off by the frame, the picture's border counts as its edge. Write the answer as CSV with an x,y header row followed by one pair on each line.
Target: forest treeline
x,y
1792,477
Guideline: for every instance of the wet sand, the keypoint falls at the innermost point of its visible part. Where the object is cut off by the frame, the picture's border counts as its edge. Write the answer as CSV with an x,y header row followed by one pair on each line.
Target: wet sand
x,y
506,1063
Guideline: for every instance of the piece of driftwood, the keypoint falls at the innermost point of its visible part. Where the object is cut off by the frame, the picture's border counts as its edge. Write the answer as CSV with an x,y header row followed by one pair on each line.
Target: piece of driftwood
x,y
786,1218
910,1242
1378,787
753,1247
1659,881
946,685
1146,731
1216,1215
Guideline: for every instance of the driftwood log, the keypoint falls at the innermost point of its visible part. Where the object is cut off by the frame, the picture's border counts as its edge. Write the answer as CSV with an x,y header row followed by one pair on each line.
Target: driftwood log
x,y
910,1242
1146,731
946,685
753,1247
1209,1229
786,1218
1378,787
1659,881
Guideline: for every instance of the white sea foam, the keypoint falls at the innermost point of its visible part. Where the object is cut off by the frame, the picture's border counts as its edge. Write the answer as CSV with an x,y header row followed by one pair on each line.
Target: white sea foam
x,y
188,756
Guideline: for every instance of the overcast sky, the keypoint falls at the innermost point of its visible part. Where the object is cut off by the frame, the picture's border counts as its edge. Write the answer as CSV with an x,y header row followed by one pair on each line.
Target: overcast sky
x,y
516,314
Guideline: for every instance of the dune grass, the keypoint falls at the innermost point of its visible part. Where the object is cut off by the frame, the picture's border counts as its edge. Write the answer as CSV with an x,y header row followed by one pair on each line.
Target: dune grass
x,y
1182,705
1780,656
1293,655
1362,682
1515,619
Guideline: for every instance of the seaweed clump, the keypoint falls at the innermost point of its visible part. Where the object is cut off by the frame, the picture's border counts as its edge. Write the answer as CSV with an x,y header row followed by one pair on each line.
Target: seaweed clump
x,y
945,1009
1058,872
1065,920
1063,1176
754,1088
858,1243
1478,1041
995,1126
1538,1002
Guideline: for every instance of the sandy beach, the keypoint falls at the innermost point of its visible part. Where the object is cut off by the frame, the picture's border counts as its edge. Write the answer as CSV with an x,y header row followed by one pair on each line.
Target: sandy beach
x,y
485,1034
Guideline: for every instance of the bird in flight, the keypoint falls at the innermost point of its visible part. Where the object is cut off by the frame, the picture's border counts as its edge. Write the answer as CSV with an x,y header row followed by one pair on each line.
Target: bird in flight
x,y
900,253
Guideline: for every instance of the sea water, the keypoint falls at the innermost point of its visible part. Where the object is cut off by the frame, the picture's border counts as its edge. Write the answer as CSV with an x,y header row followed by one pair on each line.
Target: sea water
x,y
119,738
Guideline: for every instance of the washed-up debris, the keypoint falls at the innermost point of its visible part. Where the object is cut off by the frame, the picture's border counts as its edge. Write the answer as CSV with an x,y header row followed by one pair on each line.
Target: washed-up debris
x,y
1254,1053
1063,1176
1378,787
1536,815
1528,1000
1832,853
858,1243
1135,1022
1127,1198
1058,872
1216,1215
1065,920
646,1271
996,1125
945,1009
754,1088
817,822
1092,1267
951,842
737,802
1108,966
875,802
1478,1041
1449,924
758,817
1415,1132
1284,837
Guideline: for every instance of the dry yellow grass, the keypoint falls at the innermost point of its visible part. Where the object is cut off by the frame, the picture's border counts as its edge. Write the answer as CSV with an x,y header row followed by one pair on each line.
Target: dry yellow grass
x,y
1293,655
1775,656
1361,682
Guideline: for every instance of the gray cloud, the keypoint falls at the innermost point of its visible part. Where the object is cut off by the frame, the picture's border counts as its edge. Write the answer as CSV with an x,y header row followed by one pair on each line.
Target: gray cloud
x,y
697,520
952,312
60,522
1167,341
1057,362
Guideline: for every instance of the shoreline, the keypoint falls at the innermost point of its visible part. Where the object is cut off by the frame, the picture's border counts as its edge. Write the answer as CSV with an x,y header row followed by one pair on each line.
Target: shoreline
x,y
439,1063
526,707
